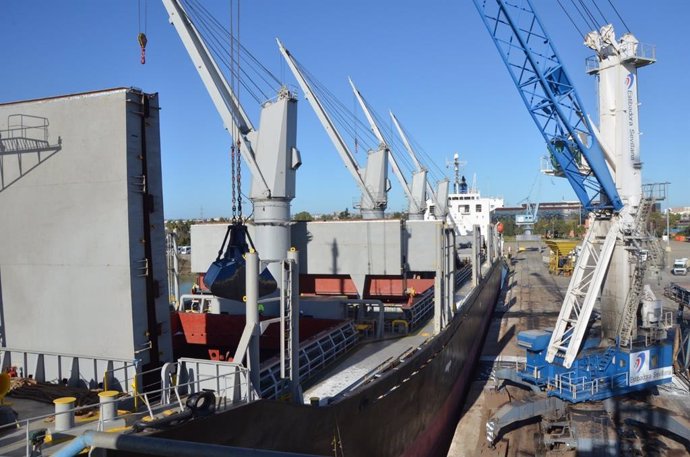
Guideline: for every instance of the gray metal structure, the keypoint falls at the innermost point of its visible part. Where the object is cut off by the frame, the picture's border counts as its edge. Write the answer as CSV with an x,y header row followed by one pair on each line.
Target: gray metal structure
x,y
416,194
356,248
372,180
83,242
438,198
270,152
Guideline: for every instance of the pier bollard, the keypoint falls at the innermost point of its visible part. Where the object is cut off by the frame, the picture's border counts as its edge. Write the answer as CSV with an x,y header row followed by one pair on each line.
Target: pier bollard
x,y
64,418
108,402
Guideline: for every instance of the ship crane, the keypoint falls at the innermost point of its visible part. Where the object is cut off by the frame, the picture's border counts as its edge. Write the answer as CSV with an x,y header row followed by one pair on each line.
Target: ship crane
x,y
603,168
273,159
372,180
270,152
439,198
529,217
416,194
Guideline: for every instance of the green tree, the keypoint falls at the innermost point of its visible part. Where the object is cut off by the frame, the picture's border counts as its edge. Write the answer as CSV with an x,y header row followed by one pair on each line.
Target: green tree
x,y
344,214
303,216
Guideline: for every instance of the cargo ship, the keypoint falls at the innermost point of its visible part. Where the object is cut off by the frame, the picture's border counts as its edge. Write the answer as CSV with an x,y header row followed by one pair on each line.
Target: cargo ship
x,y
408,407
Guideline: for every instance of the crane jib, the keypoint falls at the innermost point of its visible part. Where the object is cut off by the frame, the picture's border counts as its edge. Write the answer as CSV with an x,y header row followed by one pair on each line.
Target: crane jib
x,y
551,100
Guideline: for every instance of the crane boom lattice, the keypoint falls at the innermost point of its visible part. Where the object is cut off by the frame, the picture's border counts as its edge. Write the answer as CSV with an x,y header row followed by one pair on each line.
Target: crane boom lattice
x,y
551,100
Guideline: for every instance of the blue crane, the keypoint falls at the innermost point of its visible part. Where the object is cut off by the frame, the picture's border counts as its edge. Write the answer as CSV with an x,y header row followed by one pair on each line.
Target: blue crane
x,y
551,100
564,362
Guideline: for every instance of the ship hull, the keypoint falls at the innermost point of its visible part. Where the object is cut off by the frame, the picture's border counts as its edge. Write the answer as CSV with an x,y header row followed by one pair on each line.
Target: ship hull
x,y
411,410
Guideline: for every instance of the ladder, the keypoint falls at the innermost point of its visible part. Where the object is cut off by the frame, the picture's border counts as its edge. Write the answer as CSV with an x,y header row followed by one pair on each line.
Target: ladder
x,y
640,238
588,275
632,301
286,363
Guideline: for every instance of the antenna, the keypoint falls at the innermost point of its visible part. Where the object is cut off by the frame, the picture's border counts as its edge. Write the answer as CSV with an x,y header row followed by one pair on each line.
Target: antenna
x,y
457,166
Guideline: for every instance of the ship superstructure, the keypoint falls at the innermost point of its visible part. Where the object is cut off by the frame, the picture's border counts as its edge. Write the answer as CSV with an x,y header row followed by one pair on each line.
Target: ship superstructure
x,y
466,206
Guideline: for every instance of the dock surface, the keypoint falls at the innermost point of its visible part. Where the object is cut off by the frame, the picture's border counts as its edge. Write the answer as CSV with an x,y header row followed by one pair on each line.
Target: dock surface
x,y
532,300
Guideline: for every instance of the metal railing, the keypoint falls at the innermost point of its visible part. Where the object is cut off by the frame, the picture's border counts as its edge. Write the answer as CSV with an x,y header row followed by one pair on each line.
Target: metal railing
x,y
571,387
26,126
627,51
75,369
229,382
314,355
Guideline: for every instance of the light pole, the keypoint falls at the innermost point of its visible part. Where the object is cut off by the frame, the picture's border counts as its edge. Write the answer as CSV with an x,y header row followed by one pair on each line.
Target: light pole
x,y
668,232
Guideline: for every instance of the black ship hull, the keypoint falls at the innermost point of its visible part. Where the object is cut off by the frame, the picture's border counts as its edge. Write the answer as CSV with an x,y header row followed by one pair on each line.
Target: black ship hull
x,y
410,410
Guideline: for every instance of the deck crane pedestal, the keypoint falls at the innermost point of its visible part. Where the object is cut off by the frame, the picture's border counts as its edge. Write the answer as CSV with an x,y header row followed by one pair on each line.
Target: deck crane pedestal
x,y
372,180
570,362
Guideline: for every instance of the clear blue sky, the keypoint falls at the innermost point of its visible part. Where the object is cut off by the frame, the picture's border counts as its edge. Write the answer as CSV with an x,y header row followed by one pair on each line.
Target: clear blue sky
x,y
432,63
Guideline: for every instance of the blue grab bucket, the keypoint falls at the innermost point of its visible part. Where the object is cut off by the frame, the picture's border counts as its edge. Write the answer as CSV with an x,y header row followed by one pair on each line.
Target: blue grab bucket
x,y
226,276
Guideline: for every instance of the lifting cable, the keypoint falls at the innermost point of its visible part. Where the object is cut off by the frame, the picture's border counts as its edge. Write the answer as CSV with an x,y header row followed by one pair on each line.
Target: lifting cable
x,y
619,16
572,21
218,38
141,37
589,15
582,16
606,21
235,149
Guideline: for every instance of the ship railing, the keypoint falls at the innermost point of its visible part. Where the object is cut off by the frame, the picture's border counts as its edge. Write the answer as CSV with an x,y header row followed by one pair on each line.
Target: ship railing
x,y
230,384
314,355
228,380
423,308
30,433
574,387
74,370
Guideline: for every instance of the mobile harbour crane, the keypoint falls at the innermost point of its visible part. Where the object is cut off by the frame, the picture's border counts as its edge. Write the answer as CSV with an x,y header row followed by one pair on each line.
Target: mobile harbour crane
x,y
603,166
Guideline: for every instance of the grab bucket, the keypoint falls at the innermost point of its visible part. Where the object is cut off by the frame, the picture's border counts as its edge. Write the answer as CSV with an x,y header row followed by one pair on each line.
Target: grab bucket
x,y
226,276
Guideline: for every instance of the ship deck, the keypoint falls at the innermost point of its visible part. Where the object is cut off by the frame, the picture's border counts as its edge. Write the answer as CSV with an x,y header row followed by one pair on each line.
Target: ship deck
x,y
370,357
532,300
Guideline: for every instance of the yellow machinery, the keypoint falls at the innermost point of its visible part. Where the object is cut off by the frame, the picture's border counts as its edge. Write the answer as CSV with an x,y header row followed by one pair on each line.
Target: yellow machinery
x,y
560,262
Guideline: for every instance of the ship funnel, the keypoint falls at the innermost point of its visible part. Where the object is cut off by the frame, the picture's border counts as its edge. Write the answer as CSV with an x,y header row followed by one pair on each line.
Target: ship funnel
x,y
226,276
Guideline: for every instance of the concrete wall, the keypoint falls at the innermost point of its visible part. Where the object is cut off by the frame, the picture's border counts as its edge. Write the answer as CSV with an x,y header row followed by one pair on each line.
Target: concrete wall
x,y
71,232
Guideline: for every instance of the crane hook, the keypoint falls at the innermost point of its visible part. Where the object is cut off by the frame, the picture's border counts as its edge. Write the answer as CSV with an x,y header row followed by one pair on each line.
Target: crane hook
x,y
142,42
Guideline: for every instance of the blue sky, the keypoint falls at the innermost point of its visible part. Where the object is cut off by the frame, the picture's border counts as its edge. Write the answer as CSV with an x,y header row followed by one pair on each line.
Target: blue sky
x,y
432,63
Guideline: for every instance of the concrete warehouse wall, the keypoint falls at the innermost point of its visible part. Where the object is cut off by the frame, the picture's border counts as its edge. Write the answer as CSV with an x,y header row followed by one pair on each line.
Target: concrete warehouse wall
x,y
72,250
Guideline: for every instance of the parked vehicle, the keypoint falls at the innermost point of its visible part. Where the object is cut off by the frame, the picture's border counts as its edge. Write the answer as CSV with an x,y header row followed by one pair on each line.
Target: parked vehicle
x,y
680,267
